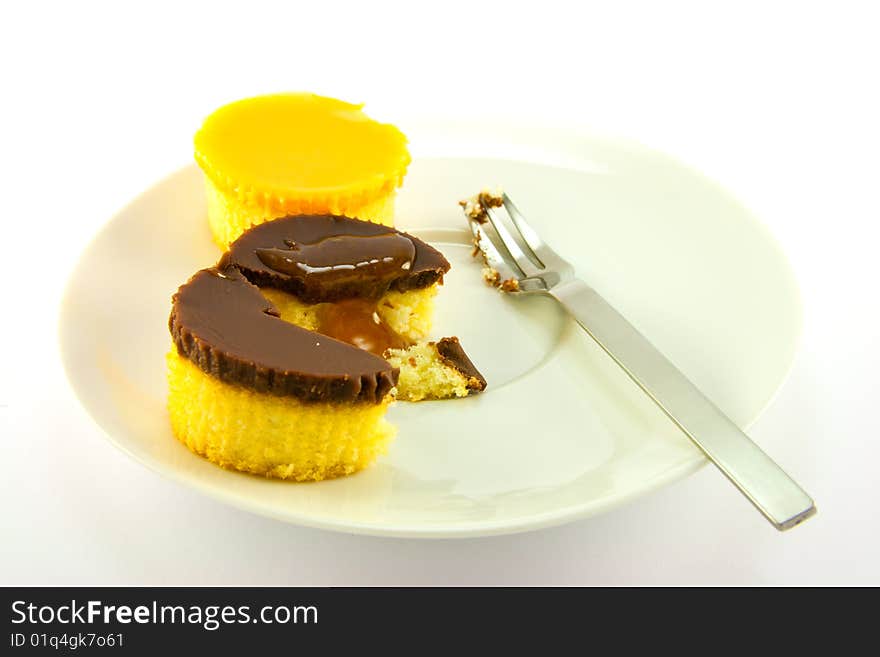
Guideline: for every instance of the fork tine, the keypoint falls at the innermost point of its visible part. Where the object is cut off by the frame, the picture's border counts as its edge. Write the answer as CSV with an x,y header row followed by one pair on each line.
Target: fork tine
x,y
530,237
511,246
548,258
484,241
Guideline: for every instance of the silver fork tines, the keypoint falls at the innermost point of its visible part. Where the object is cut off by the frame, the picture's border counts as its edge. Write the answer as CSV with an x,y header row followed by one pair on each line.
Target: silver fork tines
x,y
523,250
509,246
514,249
486,245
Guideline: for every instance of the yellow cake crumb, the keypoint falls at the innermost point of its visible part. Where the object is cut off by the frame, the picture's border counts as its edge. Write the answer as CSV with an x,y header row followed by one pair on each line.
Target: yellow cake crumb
x,y
424,375
491,276
510,285
476,207
271,435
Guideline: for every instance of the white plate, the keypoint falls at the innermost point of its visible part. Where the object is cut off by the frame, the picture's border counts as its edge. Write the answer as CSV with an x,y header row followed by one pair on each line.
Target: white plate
x,y
561,433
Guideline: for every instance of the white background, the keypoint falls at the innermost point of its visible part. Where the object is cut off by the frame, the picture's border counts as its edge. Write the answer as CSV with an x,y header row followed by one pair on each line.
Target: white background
x,y
777,101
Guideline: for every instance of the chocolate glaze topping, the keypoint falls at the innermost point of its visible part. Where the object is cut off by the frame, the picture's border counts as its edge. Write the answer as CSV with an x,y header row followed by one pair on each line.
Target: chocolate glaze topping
x,y
343,260
452,354
326,258
221,322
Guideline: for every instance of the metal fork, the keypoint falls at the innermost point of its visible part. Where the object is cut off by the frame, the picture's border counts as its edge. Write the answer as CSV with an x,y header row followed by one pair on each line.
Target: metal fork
x,y
528,266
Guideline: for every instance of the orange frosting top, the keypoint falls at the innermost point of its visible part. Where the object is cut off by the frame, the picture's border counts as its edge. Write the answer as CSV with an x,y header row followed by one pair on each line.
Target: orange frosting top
x,y
300,145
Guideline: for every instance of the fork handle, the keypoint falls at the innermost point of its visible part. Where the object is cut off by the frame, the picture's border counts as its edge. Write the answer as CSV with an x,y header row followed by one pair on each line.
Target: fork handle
x,y
756,475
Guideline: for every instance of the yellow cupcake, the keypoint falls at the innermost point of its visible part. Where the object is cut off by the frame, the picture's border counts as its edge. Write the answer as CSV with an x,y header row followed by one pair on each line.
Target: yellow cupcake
x,y
265,434
297,153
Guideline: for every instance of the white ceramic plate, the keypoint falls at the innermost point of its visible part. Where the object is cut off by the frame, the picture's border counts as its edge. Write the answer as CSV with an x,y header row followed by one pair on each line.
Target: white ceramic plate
x,y
560,433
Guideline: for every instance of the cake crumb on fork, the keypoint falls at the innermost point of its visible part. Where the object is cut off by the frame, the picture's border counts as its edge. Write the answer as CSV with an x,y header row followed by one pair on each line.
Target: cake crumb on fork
x,y
475,207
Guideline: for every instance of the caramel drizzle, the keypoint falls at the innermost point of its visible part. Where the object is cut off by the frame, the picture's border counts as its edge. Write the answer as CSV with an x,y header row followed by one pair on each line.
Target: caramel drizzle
x,y
357,322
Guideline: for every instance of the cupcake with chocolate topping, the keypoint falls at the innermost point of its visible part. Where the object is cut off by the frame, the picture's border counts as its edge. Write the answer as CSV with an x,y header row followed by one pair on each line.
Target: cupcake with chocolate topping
x,y
254,393
368,285
277,364
297,153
